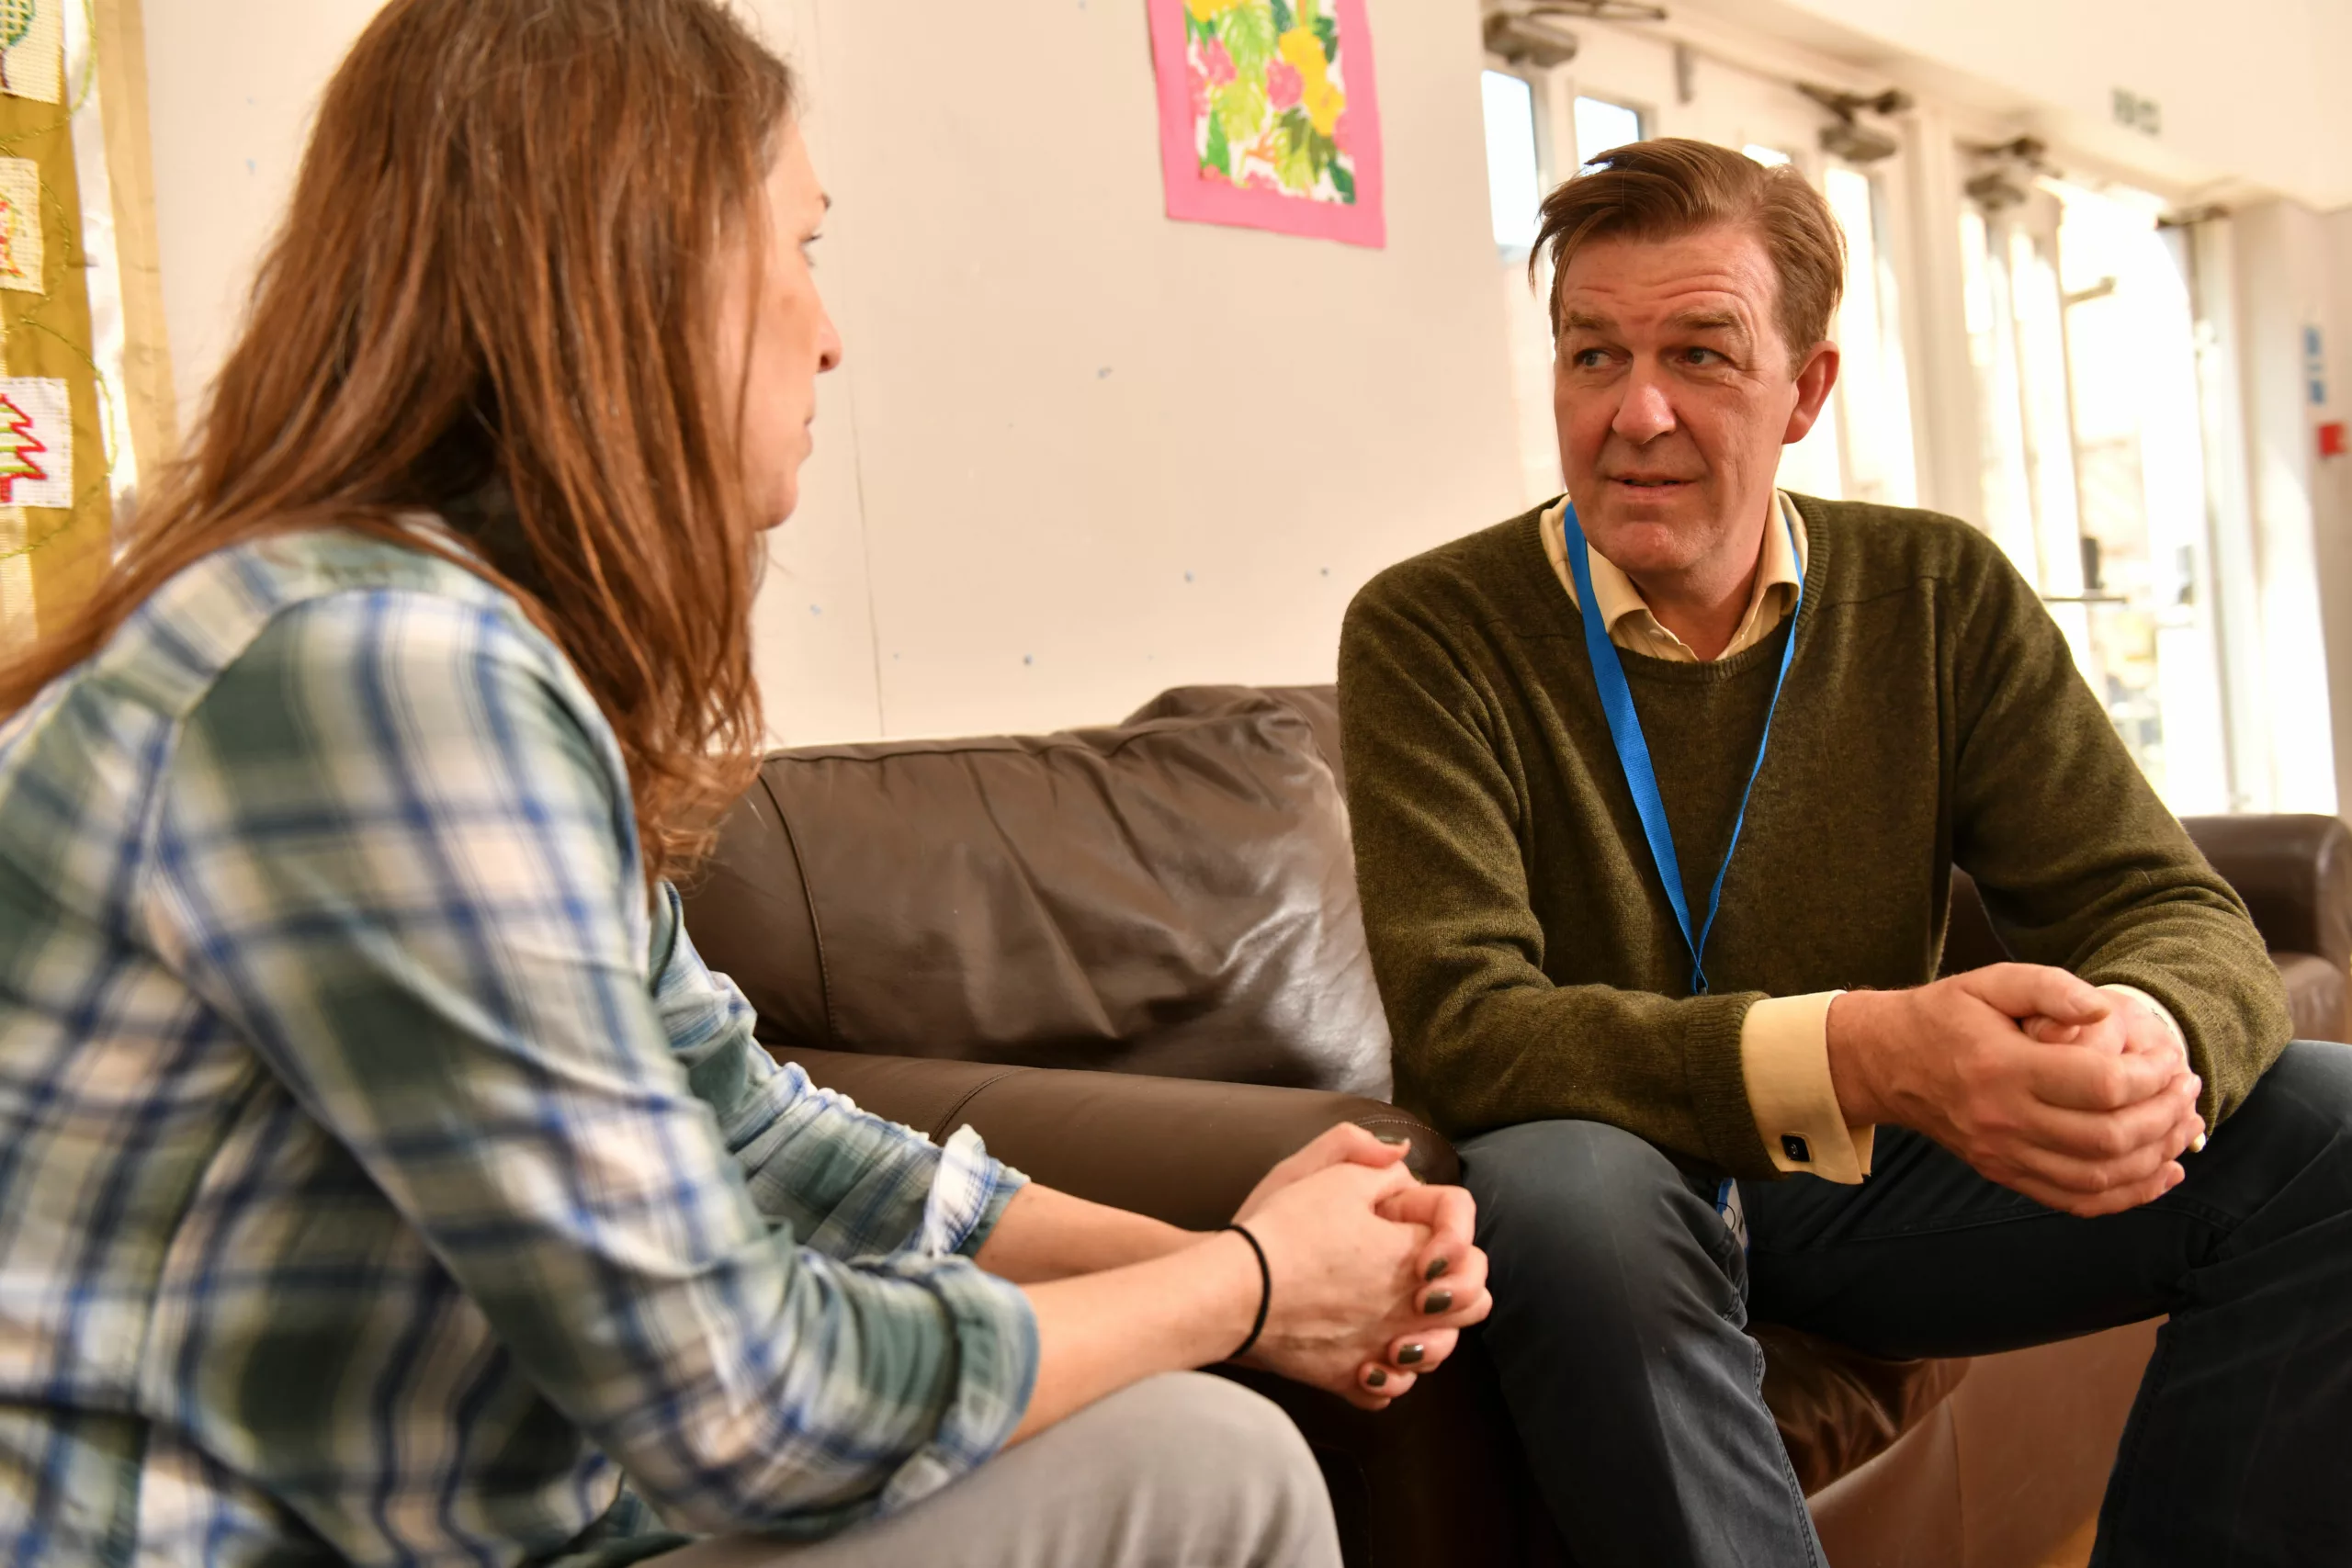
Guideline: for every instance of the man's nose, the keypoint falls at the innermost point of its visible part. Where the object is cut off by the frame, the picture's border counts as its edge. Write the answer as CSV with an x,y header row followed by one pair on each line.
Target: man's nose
x,y
1645,414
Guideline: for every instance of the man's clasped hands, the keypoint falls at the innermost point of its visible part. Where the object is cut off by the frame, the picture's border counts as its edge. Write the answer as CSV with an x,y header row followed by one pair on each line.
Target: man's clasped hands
x,y
2079,1098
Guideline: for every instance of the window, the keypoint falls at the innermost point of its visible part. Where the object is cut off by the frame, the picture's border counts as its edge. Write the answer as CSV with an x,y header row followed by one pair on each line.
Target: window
x,y
2080,320
1873,380
1601,125
1518,133
1514,177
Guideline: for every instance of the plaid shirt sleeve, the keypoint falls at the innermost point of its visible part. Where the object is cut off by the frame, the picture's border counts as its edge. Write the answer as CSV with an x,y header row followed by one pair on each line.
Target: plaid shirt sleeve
x,y
870,1185
394,850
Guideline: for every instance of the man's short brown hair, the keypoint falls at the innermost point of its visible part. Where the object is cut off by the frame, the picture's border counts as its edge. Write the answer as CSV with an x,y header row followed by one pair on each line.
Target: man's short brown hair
x,y
1666,188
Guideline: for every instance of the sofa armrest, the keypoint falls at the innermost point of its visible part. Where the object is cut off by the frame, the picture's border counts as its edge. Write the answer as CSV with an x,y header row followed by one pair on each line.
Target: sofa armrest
x,y
2294,873
1180,1150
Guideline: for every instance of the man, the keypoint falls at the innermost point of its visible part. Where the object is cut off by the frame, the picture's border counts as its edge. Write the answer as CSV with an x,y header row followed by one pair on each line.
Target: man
x,y
1655,896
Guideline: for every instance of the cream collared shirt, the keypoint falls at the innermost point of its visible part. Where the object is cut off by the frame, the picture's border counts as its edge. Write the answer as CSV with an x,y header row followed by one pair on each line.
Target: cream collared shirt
x,y
1784,1041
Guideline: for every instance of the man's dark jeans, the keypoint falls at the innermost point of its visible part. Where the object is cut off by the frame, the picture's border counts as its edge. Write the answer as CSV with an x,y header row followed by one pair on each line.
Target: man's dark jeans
x,y
1620,1298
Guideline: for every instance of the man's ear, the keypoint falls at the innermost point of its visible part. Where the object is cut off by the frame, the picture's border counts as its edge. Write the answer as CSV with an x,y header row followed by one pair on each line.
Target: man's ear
x,y
1815,377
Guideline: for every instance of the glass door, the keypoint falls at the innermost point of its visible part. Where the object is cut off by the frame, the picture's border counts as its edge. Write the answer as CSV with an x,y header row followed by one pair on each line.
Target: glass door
x,y
1878,460
1520,167
2085,354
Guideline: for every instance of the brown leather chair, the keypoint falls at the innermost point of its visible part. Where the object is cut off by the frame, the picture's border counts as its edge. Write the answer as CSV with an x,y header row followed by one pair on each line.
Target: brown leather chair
x,y
1132,957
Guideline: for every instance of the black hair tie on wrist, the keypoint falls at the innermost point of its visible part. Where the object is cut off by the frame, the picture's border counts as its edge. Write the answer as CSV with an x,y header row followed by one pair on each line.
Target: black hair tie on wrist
x,y
1265,1294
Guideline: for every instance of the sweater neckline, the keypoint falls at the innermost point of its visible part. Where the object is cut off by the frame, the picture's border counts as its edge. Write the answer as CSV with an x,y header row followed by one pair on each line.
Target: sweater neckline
x,y
1642,666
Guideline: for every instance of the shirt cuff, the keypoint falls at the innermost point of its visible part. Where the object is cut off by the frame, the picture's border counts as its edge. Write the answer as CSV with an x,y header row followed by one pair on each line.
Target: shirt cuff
x,y
969,1192
2163,1013
1784,1057
996,1372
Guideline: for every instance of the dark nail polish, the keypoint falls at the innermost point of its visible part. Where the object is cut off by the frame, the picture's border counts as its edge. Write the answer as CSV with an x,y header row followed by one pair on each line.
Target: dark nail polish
x,y
1438,1301
1410,1355
1392,1137
1376,1378
1437,1266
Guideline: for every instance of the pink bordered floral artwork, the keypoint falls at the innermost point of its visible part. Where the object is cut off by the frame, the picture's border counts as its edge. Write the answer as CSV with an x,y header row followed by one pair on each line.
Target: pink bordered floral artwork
x,y
1268,118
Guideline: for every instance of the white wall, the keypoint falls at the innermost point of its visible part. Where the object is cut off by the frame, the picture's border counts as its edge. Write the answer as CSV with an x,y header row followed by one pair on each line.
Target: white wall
x,y
2331,477
230,87
2303,559
2251,91
1058,404
1097,453
1078,453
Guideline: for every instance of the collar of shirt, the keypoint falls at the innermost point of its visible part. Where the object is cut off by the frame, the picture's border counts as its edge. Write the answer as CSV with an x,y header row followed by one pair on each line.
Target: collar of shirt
x,y
1633,627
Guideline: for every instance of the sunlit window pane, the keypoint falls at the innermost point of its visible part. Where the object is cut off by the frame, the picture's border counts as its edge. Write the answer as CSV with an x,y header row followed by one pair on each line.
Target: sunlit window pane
x,y
1513,185
1601,125
1874,382
2131,359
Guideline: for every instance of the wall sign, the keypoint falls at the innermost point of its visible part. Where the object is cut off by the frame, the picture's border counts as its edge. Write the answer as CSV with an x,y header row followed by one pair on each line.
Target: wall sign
x,y
1268,115
2136,113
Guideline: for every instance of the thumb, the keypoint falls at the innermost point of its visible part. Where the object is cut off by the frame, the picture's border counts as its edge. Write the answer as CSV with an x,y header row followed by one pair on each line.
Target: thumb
x,y
2023,990
1353,1143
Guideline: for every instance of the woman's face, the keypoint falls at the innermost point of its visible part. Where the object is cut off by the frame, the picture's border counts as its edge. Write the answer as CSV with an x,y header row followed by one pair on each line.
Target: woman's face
x,y
775,338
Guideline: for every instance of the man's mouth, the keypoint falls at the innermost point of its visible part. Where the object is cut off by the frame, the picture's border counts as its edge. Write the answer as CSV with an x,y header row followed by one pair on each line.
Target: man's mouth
x,y
1648,481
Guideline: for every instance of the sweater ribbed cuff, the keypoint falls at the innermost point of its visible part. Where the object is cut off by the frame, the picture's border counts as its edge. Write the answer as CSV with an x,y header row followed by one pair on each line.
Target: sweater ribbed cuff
x,y
1717,1081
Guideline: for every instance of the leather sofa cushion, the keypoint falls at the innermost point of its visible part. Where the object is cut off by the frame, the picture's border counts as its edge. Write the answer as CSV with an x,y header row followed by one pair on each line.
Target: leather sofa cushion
x,y
1837,1407
1183,1150
2315,995
1319,705
2294,871
1175,896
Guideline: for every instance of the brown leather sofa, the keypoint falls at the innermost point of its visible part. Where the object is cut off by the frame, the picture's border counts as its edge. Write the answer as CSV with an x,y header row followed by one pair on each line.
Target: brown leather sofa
x,y
1132,957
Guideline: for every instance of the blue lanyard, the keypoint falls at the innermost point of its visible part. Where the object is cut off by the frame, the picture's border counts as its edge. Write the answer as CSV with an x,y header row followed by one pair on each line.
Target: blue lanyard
x,y
1634,752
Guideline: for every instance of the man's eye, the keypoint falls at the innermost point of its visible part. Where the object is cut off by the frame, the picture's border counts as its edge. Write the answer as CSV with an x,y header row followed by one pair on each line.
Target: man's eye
x,y
1702,357
1589,358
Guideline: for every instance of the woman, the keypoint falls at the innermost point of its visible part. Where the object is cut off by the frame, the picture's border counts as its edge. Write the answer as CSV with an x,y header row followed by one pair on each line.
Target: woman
x,y
382,1176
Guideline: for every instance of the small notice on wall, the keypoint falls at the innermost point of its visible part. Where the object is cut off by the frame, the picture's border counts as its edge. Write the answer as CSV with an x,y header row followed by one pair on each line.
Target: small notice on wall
x,y
21,255
35,443
1268,117
32,48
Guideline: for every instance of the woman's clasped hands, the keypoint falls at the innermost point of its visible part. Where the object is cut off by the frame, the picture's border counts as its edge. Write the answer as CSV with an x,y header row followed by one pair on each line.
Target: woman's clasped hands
x,y
1373,1274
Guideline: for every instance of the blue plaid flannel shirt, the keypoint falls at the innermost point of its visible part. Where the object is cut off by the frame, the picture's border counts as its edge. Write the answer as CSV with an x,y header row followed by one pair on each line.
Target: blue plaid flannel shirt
x,y
381,1178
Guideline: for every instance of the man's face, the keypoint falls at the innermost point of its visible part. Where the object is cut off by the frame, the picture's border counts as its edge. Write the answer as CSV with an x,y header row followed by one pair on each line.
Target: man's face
x,y
1675,393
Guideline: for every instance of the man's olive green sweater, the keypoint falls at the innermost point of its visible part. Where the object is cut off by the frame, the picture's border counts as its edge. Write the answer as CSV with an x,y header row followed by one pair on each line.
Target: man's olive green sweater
x,y
1933,717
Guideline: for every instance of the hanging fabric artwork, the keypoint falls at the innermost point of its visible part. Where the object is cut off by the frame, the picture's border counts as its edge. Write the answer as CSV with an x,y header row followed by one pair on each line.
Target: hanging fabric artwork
x,y
1268,115
22,256
61,414
32,49
36,442
36,471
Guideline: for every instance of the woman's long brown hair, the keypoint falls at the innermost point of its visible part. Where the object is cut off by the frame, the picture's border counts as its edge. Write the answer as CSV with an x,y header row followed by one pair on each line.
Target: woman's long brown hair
x,y
498,265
